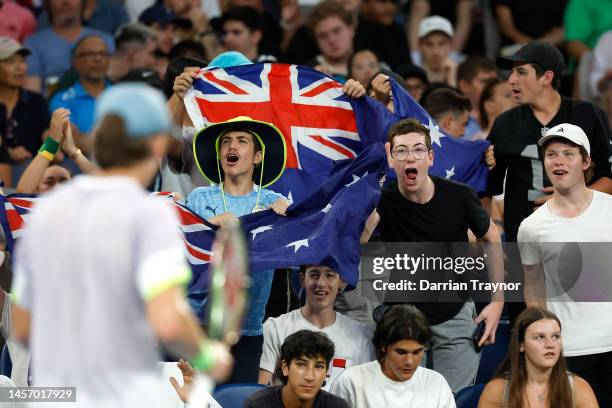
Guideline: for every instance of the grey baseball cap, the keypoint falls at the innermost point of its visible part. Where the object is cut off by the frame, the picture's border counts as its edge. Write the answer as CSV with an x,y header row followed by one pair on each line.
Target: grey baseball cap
x,y
10,47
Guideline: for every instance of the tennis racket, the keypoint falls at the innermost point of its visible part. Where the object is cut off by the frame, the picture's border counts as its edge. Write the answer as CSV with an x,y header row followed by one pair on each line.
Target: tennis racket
x,y
229,283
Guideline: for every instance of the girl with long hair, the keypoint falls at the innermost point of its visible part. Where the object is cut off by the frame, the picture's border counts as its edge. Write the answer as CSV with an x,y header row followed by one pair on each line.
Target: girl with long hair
x,y
534,374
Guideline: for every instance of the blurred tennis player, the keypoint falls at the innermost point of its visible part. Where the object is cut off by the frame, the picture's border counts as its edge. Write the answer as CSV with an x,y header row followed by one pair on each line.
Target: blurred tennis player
x,y
100,271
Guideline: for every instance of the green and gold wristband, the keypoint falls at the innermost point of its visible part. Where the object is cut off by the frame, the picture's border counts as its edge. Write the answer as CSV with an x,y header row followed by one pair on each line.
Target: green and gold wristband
x,y
49,148
205,360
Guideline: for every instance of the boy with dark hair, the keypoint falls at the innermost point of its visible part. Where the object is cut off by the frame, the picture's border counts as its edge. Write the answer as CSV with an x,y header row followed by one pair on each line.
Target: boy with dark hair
x,y
396,379
352,338
304,360
473,75
535,79
449,109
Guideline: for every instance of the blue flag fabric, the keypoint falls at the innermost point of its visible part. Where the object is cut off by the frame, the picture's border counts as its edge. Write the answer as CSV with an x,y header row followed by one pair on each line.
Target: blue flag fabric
x,y
321,125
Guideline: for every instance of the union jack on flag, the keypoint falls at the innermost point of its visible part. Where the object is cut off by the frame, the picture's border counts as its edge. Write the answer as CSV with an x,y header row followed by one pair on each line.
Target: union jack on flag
x,y
310,109
15,211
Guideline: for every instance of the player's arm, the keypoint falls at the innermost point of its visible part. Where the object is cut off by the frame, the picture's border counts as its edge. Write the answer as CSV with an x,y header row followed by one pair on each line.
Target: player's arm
x,y
21,324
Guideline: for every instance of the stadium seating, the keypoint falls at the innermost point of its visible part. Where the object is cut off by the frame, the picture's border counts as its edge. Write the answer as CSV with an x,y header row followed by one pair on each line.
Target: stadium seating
x,y
469,396
493,355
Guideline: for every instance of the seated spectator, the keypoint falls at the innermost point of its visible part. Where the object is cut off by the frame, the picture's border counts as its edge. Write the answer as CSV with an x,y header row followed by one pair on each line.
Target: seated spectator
x,y
16,21
472,76
103,15
90,60
352,342
24,115
161,20
363,65
396,379
534,373
271,30
459,13
415,79
241,28
378,31
305,358
134,47
435,42
51,48
332,28
496,98
42,175
449,109
521,21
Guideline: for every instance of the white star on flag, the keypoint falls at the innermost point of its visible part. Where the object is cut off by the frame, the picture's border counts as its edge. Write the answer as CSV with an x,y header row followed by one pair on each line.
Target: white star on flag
x,y
326,209
434,132
257,230
298,244
450,173
356,178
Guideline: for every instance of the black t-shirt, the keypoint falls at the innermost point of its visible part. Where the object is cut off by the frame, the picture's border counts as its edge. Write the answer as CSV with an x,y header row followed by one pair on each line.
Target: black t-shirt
x,y
30,118
388,42
534,18
453,209
515,135
271,397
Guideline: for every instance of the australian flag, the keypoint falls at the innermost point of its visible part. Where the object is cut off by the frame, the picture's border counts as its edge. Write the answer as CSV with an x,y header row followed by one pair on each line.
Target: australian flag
x,y
324,228
321,125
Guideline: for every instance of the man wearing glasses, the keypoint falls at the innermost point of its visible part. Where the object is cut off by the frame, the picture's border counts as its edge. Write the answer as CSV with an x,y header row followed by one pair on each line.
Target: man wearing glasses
x,y
90,60
418,207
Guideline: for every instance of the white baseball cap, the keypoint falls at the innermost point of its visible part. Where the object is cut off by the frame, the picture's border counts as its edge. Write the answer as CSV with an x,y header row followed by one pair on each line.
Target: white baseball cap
x,y
435,23
570,132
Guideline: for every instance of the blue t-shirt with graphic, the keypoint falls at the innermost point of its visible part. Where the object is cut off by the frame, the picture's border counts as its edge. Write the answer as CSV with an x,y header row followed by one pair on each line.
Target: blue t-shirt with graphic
x,y
208,202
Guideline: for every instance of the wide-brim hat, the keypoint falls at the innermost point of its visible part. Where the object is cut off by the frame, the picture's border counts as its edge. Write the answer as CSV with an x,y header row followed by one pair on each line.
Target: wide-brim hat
x,y
205,149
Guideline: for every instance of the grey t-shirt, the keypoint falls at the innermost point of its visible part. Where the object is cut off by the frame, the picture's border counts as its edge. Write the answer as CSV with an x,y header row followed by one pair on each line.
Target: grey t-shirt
x,y
94,252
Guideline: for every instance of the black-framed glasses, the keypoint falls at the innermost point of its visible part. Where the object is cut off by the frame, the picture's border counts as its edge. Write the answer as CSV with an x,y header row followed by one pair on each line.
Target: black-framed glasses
x,y
401,152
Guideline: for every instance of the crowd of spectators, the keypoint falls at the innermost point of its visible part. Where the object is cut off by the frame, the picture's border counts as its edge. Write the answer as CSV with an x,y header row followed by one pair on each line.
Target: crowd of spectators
x,y
506,71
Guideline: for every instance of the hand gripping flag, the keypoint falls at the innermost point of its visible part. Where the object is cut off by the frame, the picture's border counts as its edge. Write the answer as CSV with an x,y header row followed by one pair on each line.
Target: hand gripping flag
x,y
320,123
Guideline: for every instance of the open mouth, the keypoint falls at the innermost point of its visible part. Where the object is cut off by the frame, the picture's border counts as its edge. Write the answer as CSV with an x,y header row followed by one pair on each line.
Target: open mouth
x,y
549,355
559,172
320,293
232,158
411,173
515,92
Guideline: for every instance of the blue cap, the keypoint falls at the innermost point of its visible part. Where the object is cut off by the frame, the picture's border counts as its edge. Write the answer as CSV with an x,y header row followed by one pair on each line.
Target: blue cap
x,y
142,108
229,59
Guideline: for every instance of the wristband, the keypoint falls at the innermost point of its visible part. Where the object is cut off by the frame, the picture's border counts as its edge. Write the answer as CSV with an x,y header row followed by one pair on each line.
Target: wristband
x,y
48,148
205,360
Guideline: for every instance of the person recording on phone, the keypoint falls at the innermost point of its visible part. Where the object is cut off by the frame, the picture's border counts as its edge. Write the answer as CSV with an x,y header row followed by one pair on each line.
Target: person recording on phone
x,y
418,207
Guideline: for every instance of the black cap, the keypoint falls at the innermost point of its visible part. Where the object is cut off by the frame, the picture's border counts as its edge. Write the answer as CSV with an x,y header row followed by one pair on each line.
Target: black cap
x,y
544,54
146,75
245,14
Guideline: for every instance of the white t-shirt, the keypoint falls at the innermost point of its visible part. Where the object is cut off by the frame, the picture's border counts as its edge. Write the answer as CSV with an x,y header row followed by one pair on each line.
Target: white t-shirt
x,y
366,386
577,258
352,339
94,252
20,358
